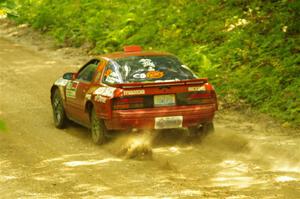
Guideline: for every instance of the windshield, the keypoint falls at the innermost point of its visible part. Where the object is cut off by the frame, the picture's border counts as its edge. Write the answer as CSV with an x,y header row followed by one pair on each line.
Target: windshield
x,y
146,69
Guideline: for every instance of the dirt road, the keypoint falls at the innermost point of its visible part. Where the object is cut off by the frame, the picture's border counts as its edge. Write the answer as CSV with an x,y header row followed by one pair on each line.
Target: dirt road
x,y
245,158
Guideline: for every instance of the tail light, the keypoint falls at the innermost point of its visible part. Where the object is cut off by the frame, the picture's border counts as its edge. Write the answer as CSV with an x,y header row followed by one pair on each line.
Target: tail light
x,y
199,96
212,91
202,95
128,103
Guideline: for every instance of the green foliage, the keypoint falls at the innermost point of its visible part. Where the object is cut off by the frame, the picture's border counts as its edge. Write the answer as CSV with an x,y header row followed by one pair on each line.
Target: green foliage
x,y
249,49
8,7
2,126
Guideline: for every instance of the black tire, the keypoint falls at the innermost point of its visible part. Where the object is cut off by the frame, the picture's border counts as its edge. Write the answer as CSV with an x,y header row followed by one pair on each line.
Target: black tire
x,y
59,115
206,129
98,129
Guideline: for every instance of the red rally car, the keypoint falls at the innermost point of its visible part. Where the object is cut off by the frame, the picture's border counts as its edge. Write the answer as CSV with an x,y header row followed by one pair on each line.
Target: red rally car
x,y
134,89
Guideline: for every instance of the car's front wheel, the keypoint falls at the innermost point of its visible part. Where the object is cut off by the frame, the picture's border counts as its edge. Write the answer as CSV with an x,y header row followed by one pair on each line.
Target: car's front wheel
x,y
59,114
98,129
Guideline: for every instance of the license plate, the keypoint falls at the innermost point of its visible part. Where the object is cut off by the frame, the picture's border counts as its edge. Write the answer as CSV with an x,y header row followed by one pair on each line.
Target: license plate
x,y
164,100
168,122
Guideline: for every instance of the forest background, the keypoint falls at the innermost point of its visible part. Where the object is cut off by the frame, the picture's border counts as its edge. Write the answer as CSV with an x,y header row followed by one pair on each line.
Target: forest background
x,y
249,49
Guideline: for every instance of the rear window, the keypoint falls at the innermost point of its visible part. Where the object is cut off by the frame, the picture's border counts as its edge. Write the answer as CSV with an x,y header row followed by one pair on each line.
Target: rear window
x,y
146,69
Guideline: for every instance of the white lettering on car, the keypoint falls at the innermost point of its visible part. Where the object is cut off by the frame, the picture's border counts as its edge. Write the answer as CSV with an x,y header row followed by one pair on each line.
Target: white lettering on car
x,y
105,91
147,63
113,78
140,76
134,92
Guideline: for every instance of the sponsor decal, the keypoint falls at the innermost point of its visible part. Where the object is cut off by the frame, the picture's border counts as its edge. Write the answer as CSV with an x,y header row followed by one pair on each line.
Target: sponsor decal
x,y
108,72
148,63
112,78
196,88
140,76
134,92
105,91
61,82
88,96
71,89
155,74
99,98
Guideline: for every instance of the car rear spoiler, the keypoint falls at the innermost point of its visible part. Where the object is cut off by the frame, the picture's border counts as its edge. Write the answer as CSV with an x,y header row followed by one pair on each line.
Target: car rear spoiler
x,y
199,81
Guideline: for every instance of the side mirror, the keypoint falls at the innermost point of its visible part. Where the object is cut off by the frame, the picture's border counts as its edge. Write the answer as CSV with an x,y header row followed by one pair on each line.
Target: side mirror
x,y
69,76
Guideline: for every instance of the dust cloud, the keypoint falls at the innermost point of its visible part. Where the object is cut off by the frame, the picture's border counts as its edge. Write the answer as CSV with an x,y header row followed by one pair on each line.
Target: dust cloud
x,y
133,145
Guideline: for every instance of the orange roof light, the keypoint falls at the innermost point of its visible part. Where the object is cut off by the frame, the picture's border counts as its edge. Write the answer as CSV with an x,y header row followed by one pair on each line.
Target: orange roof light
x,y
129,49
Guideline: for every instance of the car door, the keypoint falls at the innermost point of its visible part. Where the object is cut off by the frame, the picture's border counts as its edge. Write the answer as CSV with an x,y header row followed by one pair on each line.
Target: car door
x,y
76,92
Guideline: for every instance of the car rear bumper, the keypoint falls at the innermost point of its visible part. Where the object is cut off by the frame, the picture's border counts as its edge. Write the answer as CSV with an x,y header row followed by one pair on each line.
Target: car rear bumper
x,y
145,118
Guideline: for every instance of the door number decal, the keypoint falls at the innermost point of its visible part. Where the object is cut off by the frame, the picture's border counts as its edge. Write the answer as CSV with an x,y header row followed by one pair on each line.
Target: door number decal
x,y
71,89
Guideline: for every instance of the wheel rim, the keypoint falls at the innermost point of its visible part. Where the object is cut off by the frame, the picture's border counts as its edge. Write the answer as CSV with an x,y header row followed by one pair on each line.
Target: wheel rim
x,y
95,131
57,109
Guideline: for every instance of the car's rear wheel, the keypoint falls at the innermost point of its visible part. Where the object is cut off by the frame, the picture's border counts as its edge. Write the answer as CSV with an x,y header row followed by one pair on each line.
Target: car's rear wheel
x,y
208,128
98,129
59,114
204,130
